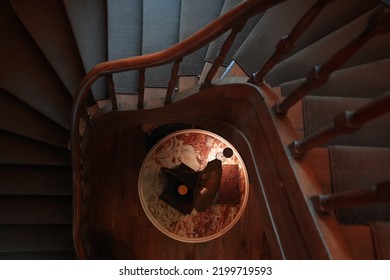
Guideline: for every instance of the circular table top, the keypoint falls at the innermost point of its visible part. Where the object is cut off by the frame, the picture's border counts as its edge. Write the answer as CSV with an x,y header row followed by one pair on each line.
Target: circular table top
x,y
195,148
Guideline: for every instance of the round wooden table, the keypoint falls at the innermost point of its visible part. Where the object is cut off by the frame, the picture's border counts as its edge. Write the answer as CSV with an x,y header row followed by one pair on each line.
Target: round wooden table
x,y
194,148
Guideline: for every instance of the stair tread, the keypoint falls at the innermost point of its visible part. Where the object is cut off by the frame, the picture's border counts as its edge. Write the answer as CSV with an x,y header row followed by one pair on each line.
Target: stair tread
x,y
193,17
35,180
48,24
216,45
21,209
373,81
15,149
301,63
35,238
26,74
332,17
88,19
360,167
124,21
40,255
319,111
160,31
14,115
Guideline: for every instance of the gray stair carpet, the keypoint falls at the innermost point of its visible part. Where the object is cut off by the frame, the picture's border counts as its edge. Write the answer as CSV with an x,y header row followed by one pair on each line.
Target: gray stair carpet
x,y
48,24
40,255
356,168
88,19
319,111
14,115
332,17
194,16
35,238
216,45
124,33
301,63
273,25
15,149
160,31
26,74
366,80
35,180
32,209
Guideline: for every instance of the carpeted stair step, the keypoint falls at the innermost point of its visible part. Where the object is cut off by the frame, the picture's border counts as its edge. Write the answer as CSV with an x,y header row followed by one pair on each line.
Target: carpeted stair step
x,y
34,238
332,17
40,255
15,149
194,16
319,111
124,19
216,45
26,74
301,63
15,115
160,31
355,168
88,19
366,80
48,24
35,180
19,209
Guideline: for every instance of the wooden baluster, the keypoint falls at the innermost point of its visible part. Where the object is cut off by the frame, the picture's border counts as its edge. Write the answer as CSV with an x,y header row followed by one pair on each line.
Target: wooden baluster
x,y
379,193
222,54
286,44
378,23
111,92
172,81
141,88
345,123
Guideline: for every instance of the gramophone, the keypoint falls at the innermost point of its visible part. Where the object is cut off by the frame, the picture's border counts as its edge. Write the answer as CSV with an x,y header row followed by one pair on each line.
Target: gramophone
x,y
187,189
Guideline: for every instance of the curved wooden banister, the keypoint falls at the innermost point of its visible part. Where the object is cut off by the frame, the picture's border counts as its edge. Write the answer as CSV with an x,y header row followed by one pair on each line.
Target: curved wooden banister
x,y
230,20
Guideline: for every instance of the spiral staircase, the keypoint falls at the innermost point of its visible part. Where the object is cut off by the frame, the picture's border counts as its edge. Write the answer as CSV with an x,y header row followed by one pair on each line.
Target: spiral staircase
x,y
48,47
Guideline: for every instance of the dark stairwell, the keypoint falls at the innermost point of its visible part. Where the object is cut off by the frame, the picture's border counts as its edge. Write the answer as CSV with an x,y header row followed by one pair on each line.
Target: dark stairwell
x,y
48,47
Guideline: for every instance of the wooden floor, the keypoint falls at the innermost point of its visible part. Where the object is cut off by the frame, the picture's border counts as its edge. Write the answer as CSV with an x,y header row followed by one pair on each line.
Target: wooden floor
x,y
115,209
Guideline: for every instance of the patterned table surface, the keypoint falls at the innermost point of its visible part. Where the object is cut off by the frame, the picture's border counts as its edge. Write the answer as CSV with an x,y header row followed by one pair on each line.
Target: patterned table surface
x,y
195,148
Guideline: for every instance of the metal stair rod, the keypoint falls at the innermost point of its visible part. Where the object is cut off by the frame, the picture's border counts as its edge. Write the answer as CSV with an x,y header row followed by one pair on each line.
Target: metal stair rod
x,y
345,123
378,193
222,54
286,44
172,81
378,23
111,91
141,88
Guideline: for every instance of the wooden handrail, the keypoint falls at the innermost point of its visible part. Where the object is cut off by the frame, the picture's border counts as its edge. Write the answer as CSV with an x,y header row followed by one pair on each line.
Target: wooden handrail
x,y
230,20
378,193
378,23
345,123
286,44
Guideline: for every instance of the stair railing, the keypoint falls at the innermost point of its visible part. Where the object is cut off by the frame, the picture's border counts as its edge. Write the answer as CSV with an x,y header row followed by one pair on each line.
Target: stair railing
x,y
345,123
378,23
287,43
378,193
233,20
